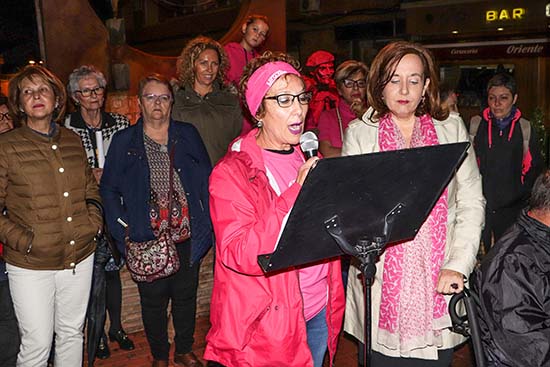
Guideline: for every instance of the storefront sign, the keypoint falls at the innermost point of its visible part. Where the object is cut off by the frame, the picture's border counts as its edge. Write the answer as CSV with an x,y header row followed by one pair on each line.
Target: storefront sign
x,y
491,50
504,14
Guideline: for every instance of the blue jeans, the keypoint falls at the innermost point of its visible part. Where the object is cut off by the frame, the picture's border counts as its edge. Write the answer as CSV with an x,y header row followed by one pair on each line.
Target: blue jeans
x,y
317,337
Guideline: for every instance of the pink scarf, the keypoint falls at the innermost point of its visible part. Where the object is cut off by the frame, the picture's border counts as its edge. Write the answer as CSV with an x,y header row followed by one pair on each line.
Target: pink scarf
x,y
412,313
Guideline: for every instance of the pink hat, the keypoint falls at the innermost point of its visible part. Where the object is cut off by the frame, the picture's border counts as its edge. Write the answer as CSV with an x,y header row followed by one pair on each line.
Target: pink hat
x,y
262,79
318,58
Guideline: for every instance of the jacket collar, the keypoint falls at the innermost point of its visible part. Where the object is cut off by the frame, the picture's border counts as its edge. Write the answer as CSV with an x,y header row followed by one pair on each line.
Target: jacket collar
x,y
539,232
77,121
30,134
137,137
369,119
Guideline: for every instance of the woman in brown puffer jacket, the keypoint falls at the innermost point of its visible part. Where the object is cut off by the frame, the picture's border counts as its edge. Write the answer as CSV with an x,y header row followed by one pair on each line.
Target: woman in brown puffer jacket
x,y
49,229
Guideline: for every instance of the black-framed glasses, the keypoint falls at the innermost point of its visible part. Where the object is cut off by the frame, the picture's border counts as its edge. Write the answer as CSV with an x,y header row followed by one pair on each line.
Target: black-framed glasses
x,y
359,83
286,100
5,116
98,91
153,98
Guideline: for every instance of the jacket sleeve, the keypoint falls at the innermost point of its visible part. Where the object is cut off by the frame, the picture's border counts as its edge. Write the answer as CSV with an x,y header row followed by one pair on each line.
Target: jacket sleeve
x,y
246,224
13,235
350,144
536,163
237,120
463,245
92,192
515,303
111,194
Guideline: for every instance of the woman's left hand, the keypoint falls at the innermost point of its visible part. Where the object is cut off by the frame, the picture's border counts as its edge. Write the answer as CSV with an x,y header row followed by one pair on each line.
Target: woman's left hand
x,y
450,281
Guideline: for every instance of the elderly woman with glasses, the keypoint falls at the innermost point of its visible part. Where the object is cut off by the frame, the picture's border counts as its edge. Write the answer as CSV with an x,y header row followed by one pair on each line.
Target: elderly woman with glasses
x,y
86,87
351,82
156,181
289,318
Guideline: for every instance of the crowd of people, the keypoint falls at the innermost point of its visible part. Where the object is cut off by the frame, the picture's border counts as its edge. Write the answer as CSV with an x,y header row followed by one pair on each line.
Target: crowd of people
x,y
205,166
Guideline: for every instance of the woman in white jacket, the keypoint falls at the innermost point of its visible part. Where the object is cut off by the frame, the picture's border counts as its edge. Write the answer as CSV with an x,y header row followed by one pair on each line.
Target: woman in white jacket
x,y
410,314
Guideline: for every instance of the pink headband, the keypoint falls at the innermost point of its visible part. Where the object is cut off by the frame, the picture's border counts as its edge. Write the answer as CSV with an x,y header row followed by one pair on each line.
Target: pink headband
x,y
262,79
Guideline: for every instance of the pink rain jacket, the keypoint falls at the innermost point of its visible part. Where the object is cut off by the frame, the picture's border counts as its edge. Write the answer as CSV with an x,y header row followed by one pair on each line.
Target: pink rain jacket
x,y
257,320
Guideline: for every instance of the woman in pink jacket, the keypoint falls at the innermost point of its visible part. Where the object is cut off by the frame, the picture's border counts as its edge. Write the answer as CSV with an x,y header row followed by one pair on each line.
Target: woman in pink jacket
x,y
289,318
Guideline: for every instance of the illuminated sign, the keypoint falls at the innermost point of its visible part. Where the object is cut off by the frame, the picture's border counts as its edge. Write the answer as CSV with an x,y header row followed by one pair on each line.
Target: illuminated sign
x,y
548,10
505,14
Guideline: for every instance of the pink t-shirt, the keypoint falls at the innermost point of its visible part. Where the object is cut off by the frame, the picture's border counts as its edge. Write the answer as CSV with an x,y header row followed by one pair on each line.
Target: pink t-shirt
x,y
313,279
238,58
329,128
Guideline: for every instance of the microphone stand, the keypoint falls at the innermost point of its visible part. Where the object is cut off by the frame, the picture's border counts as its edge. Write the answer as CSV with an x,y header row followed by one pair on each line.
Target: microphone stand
x,y
367,250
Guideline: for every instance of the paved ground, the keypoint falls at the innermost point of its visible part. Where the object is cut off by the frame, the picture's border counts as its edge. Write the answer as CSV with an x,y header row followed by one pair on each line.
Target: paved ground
x,y
140,357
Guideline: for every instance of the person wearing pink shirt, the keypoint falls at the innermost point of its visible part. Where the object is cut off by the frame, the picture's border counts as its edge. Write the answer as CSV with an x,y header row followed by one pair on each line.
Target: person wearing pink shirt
x,y
351,83
289,318
254,29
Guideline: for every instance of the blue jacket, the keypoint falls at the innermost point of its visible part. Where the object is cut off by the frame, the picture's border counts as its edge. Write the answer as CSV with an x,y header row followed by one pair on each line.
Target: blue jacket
x,y
125,186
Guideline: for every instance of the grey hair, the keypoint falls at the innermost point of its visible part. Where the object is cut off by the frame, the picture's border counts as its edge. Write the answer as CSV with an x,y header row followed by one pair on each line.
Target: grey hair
x,y
81,72
540,194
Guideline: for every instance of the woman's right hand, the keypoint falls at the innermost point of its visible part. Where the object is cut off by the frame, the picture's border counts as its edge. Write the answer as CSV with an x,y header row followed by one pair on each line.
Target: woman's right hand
x,y
304,170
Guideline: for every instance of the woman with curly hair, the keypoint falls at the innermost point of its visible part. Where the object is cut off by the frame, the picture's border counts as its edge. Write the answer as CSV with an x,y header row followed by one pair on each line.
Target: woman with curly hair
x,y
292,317
202,98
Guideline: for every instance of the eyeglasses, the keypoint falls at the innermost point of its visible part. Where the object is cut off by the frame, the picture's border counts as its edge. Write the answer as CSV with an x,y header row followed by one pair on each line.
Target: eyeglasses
x,y
286,100
360,83
5,116
153,98
88,92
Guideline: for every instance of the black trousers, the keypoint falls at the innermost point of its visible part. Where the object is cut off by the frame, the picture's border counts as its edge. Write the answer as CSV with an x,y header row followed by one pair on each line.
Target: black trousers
x,y
181,289
113,300
9,331
496,223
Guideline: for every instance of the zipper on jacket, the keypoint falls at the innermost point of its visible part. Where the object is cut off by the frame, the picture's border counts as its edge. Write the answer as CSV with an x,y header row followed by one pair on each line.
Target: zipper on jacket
x,y
29,248
201,204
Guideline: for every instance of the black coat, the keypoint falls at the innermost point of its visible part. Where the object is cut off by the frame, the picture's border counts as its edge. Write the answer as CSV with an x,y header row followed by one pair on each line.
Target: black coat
x,y
513,283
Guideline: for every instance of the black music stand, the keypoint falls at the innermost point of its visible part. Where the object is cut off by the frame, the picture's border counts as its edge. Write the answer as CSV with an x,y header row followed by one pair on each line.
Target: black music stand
x,y
358,204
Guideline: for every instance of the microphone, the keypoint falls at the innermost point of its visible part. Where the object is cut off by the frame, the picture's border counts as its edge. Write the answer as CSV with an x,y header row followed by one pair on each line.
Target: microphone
x,y
309,144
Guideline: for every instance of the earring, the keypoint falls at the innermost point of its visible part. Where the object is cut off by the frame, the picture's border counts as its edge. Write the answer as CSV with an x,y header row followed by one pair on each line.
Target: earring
x,y
260,124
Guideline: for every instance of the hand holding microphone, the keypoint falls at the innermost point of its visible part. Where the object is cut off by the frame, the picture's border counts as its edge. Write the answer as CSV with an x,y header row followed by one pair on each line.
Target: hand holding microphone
x,y
309,145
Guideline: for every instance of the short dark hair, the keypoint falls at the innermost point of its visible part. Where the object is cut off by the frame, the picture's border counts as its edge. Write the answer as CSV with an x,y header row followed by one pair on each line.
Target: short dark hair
x,y
503,80
540,194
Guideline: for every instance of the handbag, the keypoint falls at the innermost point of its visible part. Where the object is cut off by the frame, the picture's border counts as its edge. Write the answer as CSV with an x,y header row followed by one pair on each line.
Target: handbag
x,y
154,259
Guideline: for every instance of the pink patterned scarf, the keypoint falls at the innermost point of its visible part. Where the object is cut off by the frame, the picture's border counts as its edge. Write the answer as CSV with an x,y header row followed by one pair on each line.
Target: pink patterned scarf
x,y
412,313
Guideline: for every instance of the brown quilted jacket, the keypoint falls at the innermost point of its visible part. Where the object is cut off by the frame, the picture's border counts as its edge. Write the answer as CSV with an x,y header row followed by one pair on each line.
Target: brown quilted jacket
x,y
44,184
